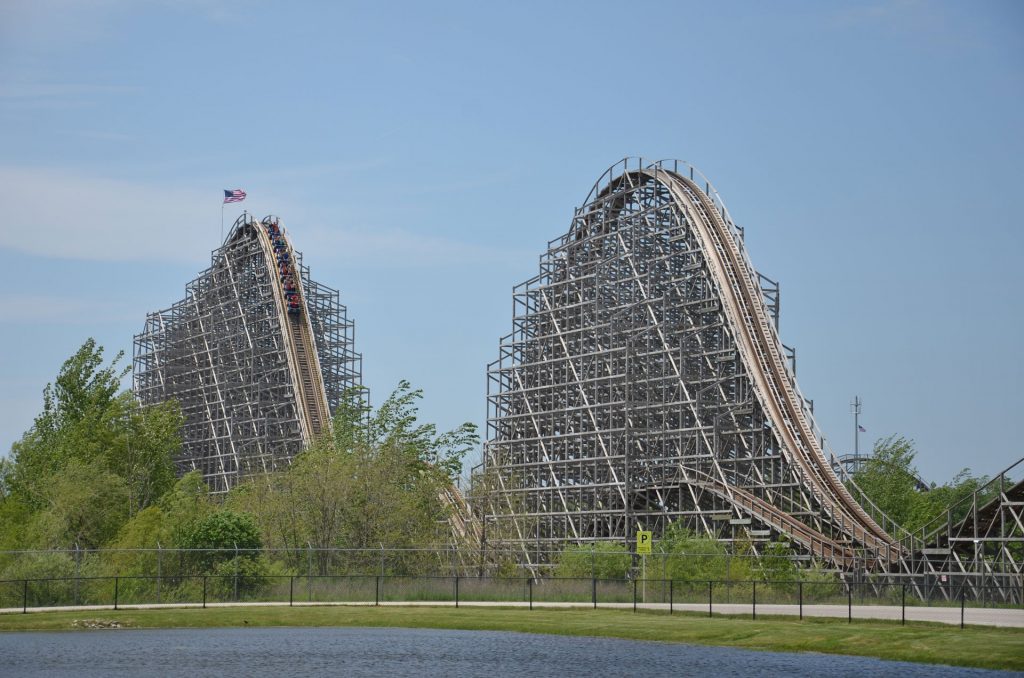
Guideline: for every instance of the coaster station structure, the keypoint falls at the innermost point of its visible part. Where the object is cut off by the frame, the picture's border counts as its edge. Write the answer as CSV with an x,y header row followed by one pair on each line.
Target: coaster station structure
x,y
644,383
258,354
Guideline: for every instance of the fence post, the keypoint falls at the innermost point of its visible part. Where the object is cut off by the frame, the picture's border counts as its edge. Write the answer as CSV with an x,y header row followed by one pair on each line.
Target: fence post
x,y
671,591
456,591
204,591
753,600
236,572
376,593
710,585
115,592
291,590
159,573
309,572
24,598
530,584
634,595
593,591
903,606
963,598
78,569
800,595
849,603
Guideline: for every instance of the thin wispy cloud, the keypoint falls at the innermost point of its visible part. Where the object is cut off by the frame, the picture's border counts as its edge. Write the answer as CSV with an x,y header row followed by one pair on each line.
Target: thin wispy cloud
x,y
460,184
401,248
55,96
38,90
60,214
58,25
922,19
55,25
877,12
280,173
44,309
99,135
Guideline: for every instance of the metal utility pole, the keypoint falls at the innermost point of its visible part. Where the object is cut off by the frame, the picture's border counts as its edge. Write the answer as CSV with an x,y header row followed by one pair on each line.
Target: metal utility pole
x,y
855,408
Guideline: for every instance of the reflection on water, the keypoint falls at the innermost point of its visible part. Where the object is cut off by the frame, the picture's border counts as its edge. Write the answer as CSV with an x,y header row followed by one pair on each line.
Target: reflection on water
x,y
406,652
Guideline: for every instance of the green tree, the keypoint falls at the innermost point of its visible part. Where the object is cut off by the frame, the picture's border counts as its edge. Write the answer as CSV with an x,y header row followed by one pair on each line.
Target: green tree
x,y
149,439
889,478
167,522
83,505
14,513
395,426
162,525
92,459
14,517
187,503
78,409
379,478
6,474
86,420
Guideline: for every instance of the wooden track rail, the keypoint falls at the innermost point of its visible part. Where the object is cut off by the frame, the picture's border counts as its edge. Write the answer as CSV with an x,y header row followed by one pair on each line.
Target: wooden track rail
x,y
759,344
301,346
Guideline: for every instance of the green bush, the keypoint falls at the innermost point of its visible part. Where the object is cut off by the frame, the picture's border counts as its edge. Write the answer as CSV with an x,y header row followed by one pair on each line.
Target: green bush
x,y
220,537
603,560
693,557
776,562
246,572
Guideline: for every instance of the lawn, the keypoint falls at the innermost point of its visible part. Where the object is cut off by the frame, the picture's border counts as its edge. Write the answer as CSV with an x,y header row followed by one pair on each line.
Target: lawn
x,y
984,647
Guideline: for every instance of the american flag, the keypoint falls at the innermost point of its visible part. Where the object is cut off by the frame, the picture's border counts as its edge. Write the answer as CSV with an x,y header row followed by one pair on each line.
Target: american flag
x,y
237,195
861,429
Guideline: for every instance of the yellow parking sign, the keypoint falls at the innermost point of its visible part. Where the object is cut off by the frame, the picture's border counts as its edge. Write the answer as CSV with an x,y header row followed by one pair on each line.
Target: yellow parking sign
x,y
644,540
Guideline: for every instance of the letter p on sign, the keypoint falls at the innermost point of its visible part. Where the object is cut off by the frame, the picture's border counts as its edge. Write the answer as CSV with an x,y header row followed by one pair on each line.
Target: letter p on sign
x,y
644,540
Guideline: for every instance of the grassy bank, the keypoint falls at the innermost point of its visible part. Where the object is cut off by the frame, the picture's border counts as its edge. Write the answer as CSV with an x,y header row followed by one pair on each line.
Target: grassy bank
x,y
996,648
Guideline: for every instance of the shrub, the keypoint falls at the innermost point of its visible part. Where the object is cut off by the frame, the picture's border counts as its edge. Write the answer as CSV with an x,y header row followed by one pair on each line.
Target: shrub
x,y
220,537
603,560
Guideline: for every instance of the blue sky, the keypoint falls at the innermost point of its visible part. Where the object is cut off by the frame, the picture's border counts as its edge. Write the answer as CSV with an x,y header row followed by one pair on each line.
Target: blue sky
x,y
423,154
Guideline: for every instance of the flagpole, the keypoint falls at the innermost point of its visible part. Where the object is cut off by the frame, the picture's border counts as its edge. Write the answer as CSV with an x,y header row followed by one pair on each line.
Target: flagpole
x,y
237,195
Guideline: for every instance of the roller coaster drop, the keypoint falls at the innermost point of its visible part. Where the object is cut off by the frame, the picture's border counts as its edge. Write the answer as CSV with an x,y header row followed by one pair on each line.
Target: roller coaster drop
x,y
258,355
644,383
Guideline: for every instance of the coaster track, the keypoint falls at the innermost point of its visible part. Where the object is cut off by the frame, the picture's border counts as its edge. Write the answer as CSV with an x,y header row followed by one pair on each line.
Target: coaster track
x,y
744,304
297,328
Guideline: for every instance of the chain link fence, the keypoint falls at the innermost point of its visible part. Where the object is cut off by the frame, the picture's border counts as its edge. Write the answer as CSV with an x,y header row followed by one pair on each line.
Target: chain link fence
x,y
79,576
788,598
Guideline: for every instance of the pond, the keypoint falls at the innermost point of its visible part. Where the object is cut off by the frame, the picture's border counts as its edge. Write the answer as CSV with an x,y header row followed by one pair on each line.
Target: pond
x,y
407,652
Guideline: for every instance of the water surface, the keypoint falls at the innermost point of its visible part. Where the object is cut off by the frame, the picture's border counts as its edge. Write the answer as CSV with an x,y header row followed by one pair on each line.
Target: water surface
x,y
196,653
